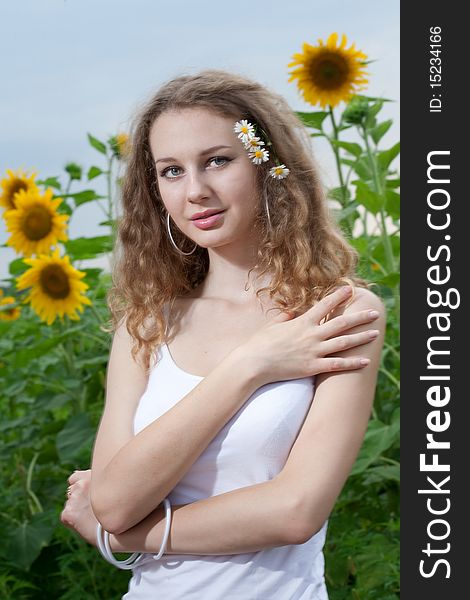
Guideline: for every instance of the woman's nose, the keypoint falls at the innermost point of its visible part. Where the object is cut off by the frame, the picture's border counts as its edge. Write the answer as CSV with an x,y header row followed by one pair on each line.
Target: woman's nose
x,y
197,187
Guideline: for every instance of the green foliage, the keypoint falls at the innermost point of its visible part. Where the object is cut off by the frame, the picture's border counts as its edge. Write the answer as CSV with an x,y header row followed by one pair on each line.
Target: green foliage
x,y
52,393
362,550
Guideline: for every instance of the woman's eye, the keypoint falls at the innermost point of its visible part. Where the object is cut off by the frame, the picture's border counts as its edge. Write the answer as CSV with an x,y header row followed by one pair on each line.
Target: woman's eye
x,y
169,172
173,172
219,160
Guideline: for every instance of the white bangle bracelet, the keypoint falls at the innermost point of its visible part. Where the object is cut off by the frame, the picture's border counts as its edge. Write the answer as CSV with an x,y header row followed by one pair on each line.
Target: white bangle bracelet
x,y
136,558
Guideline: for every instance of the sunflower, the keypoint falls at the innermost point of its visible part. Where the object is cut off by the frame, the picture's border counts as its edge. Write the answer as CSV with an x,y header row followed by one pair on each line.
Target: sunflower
x,y
10,314
55,285
328,73
34,223
16,182
120,145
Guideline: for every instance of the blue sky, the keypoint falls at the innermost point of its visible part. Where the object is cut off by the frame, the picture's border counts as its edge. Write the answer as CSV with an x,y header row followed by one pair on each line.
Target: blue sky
x,y
70,67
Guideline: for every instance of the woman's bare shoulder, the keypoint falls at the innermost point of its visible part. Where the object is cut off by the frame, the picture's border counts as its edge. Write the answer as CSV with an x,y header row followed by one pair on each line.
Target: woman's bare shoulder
x,y
362,299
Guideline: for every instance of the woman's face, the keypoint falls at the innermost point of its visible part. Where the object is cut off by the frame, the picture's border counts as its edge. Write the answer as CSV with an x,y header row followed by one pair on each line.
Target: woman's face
x,y
202,166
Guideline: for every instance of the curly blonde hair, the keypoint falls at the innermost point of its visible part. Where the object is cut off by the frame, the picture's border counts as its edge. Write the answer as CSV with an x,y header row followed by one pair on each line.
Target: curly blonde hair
x,y
303,250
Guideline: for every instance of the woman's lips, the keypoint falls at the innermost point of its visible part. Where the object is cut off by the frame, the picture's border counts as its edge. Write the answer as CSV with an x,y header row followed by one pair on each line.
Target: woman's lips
x,y
207,222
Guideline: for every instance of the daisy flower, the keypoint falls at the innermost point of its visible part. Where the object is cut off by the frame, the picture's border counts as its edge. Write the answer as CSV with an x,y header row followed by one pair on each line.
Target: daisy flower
x,y
279,171
259,156
244,129
253,143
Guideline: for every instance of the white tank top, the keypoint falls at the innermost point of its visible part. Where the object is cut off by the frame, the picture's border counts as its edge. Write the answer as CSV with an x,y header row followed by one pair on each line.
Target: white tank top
x,y
251,448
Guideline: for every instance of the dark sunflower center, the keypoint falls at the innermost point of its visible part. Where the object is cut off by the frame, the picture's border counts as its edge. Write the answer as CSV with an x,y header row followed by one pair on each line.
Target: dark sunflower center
x,y
16,186
37,223
54,282
330,71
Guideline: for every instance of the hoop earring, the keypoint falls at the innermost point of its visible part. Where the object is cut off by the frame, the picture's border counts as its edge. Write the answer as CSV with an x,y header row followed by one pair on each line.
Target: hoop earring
x,y
267,209
173,241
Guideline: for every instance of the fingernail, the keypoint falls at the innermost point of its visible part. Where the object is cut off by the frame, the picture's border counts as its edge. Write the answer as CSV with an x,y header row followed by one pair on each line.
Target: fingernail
x,y
374,313
374,333
347,289
364,361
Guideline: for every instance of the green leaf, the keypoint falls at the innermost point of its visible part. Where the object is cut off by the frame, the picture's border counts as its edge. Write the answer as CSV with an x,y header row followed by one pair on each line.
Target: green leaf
x,y
371,121
378,132
361,244
93,172
92,274
385,158
21,357
64,207
109,223
379,438
378,252
375,98
50,182
312,119
17,266
390,280
74,170
354,149
96,144
367,197
392,204
27,540
344,214
341,194
84,196
383,473
360,166
77,434
92,361
14,423
82,248
393,183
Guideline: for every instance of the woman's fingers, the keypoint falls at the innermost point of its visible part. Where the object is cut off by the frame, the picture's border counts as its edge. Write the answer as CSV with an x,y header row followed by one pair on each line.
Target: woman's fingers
x,y
333,364
77,475
342,323
328,303
344,342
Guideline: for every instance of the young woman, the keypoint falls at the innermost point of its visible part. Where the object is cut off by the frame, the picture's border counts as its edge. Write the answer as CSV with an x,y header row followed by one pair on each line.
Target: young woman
x,y
245,356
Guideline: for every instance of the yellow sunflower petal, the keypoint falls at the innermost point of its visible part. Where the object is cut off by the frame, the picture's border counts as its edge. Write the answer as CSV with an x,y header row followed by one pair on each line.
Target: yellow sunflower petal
x,y
331,41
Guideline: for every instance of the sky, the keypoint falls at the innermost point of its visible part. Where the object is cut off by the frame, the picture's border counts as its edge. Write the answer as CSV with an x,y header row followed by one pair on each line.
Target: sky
x,y
70,67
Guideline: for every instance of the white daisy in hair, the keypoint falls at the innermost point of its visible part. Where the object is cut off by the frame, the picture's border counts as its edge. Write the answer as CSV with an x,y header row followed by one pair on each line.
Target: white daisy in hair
x,y
259,156
279,171
253,143
244,129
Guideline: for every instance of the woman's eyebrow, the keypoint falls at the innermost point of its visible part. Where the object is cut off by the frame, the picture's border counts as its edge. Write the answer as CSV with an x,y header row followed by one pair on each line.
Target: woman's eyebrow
x,y
208,151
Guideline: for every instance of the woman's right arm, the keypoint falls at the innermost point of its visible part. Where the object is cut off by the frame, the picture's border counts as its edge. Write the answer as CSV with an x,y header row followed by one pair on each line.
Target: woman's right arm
x,y
131,475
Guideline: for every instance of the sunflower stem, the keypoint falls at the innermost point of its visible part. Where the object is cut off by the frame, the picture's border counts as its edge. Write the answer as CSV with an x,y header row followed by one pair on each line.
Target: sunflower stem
x,y
67,350
96,314
109,186
344,201
378,188
68,186
35,505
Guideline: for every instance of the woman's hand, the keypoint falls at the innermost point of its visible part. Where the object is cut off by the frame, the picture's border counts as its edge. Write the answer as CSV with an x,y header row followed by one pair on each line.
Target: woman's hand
x,y
292,348
78,514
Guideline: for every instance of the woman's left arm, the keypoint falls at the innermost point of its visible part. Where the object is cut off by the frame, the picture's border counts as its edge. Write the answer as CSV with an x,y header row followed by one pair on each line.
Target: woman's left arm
x,y
293,506
332,434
